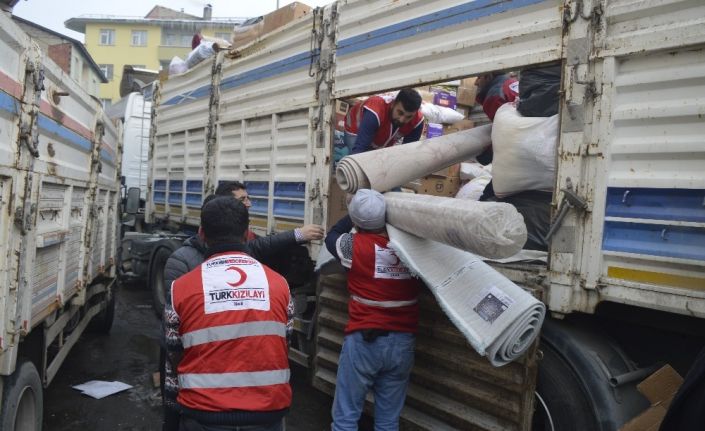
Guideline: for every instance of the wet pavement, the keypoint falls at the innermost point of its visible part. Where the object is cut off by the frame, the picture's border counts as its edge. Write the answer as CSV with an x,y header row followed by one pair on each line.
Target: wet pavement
x,y
130,354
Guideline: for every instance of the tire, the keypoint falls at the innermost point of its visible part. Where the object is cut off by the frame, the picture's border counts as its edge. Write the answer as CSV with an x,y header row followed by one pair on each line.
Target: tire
x,y
103,321
561,402
156,279
22,401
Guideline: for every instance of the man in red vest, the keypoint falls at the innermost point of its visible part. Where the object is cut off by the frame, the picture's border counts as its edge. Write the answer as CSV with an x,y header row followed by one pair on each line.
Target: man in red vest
x,y
381,121
378,350
232,316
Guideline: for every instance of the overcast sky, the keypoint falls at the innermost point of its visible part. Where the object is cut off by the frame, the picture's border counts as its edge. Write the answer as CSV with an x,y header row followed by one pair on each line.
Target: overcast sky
x,y
53,13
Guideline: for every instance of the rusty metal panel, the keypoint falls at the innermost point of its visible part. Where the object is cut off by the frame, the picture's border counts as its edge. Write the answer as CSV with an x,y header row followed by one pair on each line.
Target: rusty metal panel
x,y
451,386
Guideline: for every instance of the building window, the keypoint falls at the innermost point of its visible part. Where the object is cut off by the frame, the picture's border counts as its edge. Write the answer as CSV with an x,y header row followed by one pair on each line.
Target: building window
x,y
107,36
176,38
139,38
106,103
107,70
164,64
225,36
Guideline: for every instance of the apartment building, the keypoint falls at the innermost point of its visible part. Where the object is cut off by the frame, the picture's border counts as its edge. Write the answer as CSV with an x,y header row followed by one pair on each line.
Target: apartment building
x,y
148,42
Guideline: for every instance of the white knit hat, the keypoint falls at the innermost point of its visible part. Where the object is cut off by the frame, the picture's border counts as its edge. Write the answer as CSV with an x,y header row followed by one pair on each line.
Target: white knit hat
x,y
367,209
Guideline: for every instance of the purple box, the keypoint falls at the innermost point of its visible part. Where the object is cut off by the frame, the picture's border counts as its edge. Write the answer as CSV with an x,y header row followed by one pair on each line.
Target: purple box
x,y
433,130
445,99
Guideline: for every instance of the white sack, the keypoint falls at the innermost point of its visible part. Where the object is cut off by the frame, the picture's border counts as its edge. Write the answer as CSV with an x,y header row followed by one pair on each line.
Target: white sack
x,y
440,114
474,188
499,319
490,229
470,170
202,51
524,151
177,66
391,167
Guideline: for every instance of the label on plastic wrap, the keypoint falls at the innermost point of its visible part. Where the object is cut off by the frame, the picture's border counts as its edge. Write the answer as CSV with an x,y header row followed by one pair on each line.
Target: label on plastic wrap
x,y
493,303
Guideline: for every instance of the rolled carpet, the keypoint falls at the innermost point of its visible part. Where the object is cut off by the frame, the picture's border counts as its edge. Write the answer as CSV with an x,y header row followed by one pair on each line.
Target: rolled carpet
x,y
499,319
391,167
491,229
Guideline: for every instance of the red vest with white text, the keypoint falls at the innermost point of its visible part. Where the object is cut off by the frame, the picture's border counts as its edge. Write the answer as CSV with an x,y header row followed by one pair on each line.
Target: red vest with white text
x,y
381,107
383,294
233,313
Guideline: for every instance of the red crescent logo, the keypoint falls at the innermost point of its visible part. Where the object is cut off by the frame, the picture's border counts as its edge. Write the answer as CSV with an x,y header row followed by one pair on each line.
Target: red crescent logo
x,y
243,276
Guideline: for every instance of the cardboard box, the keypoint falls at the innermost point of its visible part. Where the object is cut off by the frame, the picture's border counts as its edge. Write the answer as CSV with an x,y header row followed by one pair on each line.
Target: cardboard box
x,y
341,110
467,95
437,186
659,388
337,205
468,82
426,96
460,125
284,15
450,171
270,22
244,35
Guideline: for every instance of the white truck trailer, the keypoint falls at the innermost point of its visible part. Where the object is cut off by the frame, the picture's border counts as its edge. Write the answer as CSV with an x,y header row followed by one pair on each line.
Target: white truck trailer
x,y
59,190
625,274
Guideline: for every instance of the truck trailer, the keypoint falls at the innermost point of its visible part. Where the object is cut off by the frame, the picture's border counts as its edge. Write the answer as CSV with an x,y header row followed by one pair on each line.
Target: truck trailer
x,y
624,275
59,191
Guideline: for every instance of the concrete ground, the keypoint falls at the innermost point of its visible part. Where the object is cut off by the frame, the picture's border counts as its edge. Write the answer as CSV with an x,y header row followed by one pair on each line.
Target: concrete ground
x,y
130,354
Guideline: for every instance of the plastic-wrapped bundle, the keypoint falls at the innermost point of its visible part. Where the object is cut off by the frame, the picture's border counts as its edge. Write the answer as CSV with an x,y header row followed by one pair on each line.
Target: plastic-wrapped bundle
x,y
391,167
202,51
440,114
497,317
491,229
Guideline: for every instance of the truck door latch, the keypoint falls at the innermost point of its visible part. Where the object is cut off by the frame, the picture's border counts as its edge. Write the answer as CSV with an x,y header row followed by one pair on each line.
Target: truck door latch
x,y
570,200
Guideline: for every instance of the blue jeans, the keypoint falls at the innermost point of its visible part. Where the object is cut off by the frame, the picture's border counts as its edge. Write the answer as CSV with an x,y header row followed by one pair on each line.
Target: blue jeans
x,y
383,366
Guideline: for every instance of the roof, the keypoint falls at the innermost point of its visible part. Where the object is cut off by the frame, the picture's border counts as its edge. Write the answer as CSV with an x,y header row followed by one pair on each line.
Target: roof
x,y
161,12
159,15
77,44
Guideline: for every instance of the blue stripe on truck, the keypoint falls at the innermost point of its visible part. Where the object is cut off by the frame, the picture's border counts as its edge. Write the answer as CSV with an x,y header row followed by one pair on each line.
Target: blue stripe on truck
x,y
469,11
656,204
683,242
285,65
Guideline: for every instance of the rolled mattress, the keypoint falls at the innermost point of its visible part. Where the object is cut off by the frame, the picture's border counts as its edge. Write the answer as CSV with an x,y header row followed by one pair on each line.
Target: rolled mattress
x,y
391,167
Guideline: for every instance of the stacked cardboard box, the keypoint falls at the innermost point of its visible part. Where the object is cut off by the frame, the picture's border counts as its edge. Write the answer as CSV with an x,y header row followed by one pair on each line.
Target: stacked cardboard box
x,y
270,22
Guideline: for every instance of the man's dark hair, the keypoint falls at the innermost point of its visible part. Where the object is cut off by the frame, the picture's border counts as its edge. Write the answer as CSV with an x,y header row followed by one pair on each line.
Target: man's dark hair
x,y
410,99
224,219
208,199
226,188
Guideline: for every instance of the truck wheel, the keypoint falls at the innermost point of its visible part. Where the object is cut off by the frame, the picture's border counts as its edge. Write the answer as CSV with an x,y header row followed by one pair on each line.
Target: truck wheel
x,y
561,403
22,401
103,321
156,281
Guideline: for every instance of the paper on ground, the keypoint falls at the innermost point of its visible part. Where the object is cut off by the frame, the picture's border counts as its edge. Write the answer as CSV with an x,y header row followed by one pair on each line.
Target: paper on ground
x,y
100,389
498,318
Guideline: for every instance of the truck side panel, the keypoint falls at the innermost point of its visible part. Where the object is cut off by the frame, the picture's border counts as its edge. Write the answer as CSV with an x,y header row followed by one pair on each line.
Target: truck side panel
x,y
54,150
637,161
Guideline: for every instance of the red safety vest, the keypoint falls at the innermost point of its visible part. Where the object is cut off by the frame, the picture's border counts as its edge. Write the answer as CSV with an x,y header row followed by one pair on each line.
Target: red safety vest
x,y
383,294
382,108
233,313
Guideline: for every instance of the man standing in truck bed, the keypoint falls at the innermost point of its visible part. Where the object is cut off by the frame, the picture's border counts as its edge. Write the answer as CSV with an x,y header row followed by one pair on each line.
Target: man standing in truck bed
x,y
381,121
378,350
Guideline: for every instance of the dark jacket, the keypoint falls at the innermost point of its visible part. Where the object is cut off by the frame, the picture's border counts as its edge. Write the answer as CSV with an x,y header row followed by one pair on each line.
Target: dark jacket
x,y
192,253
